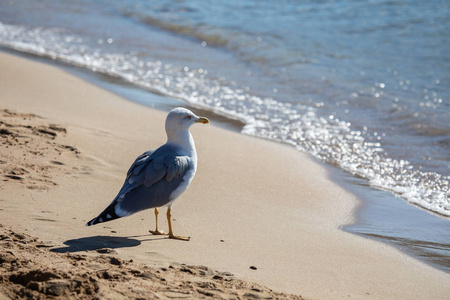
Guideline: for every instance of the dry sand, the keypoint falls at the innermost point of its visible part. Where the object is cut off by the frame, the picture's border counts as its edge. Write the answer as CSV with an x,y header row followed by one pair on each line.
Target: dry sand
x,y
28,270
65,148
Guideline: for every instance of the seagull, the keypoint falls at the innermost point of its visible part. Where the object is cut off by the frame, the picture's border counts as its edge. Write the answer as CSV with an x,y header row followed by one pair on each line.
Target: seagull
x,y
158,177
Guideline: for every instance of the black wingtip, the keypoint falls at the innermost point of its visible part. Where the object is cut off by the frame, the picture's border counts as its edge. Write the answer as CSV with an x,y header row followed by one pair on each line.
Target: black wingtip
x,y
91,222
107,215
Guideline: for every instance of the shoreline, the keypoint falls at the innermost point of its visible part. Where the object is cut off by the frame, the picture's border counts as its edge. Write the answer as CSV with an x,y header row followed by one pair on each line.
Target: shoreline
x,y
123,89
348,260
369,211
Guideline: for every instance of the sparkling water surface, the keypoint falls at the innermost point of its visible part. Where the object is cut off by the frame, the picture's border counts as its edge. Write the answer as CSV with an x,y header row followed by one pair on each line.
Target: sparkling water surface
x,y
361,85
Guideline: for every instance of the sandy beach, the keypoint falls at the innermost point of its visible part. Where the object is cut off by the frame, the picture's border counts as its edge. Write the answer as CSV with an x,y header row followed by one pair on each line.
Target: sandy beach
x,y
261,216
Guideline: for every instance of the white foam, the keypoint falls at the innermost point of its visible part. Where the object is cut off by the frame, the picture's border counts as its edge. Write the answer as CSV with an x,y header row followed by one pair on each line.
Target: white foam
x,y
329,139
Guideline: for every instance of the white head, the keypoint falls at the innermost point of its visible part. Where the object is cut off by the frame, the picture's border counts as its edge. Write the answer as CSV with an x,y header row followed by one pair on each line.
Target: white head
x,y
180,119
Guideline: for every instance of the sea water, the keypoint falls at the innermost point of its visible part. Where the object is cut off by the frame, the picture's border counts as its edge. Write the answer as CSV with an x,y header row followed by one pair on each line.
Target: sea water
x,y
361,85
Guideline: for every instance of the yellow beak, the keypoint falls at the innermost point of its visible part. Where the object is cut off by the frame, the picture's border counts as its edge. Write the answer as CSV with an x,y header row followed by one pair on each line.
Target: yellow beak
x,y
202,120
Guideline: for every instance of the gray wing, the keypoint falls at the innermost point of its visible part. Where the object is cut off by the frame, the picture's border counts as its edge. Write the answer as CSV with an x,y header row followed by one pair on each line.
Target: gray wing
x,y
139,163
150,181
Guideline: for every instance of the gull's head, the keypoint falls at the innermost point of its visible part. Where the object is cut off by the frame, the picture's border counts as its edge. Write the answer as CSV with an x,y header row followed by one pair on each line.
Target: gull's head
x,y
180,119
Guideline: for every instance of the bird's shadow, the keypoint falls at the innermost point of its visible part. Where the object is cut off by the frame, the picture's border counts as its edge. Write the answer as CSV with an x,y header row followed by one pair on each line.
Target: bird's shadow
x,y
93,243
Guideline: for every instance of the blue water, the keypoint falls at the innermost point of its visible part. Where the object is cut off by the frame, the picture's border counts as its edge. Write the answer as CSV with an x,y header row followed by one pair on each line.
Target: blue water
x,y
361,85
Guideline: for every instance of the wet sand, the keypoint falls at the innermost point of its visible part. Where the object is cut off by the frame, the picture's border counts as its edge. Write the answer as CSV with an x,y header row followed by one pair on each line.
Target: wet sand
x,y
256,209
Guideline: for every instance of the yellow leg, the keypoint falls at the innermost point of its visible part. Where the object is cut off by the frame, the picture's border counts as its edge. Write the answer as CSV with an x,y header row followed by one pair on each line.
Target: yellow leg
x,y
157,231
171,235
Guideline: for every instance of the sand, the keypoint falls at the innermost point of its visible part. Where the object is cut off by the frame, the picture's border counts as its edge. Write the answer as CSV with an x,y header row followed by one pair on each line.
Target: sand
x,y
30,271
258,210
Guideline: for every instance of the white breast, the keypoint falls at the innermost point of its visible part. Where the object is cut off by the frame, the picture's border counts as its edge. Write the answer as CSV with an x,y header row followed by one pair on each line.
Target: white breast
x,y
187,179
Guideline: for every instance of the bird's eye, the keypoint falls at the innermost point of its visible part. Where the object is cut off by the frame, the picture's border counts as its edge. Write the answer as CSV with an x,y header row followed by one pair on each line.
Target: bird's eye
x,y
188,117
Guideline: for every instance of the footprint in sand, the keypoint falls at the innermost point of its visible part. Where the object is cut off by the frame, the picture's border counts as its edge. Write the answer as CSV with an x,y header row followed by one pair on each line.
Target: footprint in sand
x,y
33,152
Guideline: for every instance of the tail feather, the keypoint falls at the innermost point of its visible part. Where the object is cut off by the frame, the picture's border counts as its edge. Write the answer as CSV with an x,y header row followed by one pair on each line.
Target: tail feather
x,y
108,214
